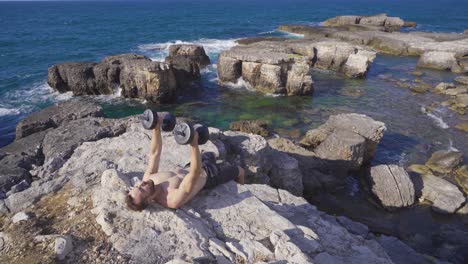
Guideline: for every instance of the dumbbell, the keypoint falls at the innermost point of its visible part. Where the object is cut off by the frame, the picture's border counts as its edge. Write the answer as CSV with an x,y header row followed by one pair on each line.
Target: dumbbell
x,y
149,119
184,132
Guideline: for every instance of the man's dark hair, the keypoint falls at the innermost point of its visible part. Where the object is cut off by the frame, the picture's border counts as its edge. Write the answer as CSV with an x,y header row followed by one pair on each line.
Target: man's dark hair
x,y
132,205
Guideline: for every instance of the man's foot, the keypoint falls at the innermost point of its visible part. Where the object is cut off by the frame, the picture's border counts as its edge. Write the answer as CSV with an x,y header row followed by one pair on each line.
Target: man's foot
x,y
241,177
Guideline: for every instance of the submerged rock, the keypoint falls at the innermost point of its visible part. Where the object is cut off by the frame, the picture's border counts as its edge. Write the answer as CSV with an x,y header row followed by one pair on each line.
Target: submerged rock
x,y
392,185
462,126
410,24
444,161
461,177
462,80
443,87
258,127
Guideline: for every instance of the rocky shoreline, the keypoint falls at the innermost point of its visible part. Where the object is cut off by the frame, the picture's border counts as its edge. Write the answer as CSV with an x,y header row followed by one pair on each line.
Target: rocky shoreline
x,y
64,177
96,159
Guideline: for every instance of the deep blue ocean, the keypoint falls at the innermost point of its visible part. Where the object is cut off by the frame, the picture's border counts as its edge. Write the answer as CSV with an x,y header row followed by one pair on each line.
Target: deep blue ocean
x,y
36,35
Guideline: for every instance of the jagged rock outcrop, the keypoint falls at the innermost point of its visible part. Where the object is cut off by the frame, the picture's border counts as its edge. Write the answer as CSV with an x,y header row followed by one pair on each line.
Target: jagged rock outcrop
x,y
181,53
56,115
135,75
392,185
283,67
187,60
27,151
317,174
47,139
17,159
59,144
351,138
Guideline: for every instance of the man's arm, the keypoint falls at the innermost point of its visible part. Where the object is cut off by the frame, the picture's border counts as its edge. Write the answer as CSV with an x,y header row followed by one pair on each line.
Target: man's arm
x,y
177,198
155,151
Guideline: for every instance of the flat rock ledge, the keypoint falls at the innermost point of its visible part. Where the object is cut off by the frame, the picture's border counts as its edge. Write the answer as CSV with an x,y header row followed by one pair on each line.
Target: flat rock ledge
x,y
443,51
284,67
132,75
379,21
228,224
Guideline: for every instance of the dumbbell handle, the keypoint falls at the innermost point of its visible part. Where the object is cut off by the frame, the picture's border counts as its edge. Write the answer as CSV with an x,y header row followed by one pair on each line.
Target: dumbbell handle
x,y
143,117
179,133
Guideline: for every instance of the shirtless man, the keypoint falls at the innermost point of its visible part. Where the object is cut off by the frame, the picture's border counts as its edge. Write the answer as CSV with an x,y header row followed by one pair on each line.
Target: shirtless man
x,y
174,189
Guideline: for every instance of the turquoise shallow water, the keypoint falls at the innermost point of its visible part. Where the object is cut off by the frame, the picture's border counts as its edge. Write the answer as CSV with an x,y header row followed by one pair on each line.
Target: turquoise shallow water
x,y
36,35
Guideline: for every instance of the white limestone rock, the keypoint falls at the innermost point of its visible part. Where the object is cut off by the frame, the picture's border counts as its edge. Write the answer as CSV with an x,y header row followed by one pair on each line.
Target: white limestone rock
x,y
19,217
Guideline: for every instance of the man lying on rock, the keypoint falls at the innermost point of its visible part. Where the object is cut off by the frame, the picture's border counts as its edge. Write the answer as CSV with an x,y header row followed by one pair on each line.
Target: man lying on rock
x,y
173,189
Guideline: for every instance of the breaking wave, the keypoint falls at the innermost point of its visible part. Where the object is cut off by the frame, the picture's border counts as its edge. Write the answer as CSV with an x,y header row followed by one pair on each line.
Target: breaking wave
x,y
6,111
437,120
159,51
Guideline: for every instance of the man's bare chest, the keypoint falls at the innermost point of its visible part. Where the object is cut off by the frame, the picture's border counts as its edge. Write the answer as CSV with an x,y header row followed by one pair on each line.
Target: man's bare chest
x,y
169,179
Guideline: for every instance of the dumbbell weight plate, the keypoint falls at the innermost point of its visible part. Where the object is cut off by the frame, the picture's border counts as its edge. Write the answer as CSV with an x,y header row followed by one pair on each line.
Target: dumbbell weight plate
x,y
203,133
183,133
149,119
169,121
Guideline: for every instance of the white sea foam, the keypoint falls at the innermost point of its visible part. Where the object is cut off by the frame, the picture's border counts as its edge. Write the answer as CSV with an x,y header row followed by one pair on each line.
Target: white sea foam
x,y
6,111
438,120
267,32
451,147
27,99
118,91
213,47
241,83
274,95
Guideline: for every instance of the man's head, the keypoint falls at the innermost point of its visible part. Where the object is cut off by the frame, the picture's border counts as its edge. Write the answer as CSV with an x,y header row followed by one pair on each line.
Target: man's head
x,y
139,197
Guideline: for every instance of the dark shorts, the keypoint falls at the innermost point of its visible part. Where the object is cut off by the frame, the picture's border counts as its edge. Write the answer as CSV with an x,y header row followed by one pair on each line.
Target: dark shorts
x,y
216,173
